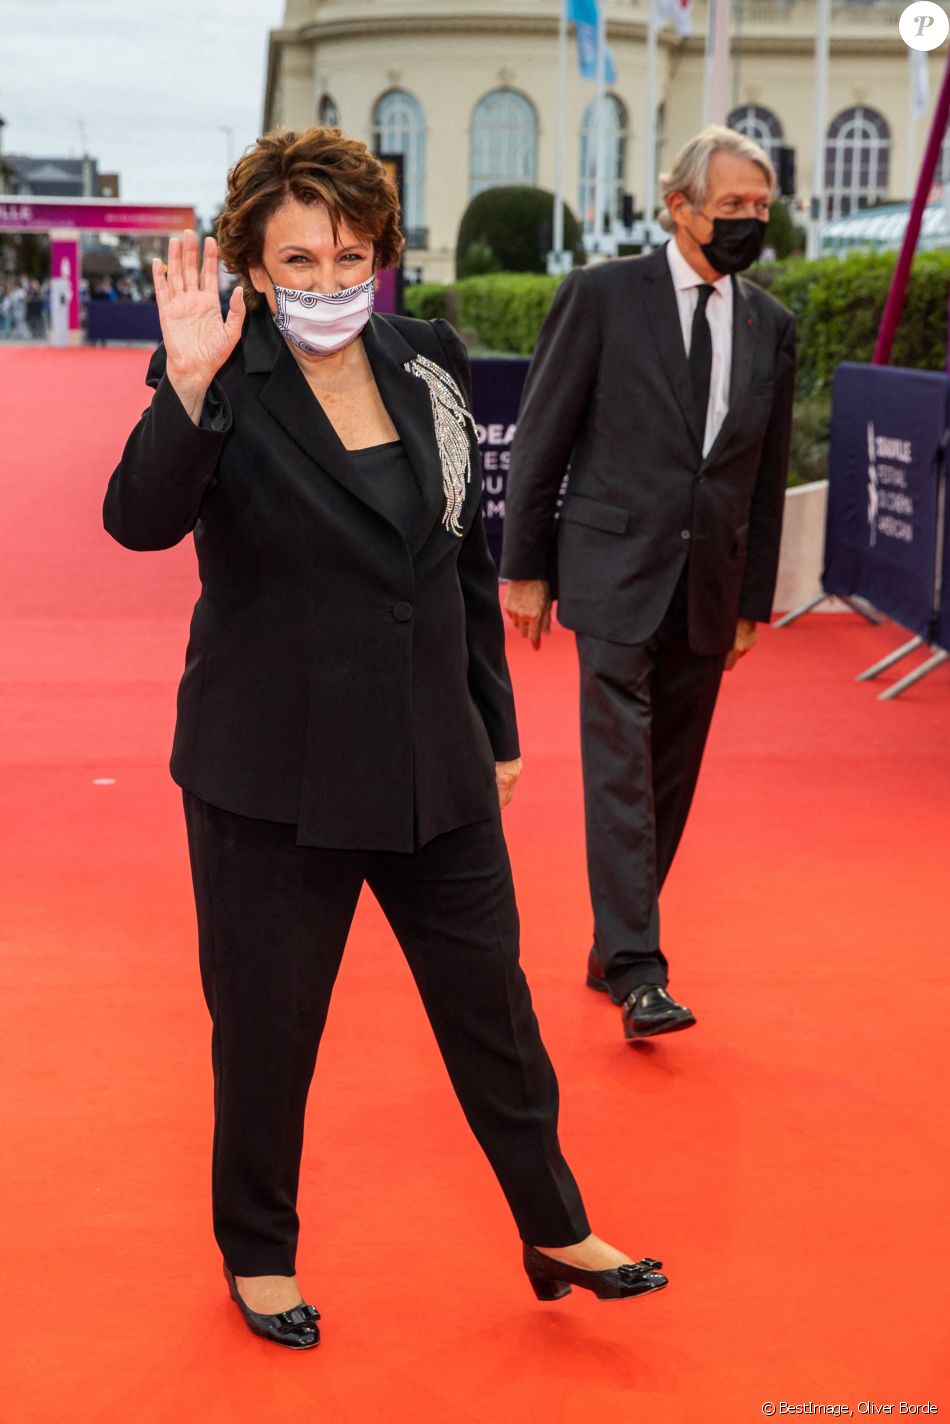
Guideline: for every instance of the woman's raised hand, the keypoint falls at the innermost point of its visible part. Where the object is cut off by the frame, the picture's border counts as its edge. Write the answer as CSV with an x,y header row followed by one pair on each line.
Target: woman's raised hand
x,y
197,341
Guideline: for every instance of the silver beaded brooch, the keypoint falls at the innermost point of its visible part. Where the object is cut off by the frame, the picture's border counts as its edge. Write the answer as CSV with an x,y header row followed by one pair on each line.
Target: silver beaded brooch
x,y
450,414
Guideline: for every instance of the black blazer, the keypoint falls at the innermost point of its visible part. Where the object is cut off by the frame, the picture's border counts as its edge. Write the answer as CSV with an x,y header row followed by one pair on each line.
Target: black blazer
x,y
609,391
335,678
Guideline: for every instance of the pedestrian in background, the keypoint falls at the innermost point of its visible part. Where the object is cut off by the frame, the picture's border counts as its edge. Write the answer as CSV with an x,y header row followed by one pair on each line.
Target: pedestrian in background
x,y
666,382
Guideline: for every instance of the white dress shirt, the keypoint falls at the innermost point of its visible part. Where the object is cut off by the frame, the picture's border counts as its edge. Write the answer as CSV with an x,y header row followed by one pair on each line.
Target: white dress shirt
x,y
719,315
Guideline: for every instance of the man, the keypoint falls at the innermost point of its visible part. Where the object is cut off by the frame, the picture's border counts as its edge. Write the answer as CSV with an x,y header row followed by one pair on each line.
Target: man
x,y
666,382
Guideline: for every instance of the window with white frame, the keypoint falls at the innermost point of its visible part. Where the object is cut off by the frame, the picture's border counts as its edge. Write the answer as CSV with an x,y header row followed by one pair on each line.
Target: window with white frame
x,y
759,124
857,161
504,141
613,137
399,127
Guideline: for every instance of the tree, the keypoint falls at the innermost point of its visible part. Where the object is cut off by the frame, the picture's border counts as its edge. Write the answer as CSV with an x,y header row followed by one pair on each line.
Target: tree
x,y
25,254
781,234
510,230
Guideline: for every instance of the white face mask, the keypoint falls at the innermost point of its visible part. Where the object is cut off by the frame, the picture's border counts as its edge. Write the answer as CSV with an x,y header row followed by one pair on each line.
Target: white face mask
x,y
320,323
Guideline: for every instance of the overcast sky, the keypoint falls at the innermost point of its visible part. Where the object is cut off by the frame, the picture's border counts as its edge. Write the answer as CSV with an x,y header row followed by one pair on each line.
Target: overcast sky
x,y
152,85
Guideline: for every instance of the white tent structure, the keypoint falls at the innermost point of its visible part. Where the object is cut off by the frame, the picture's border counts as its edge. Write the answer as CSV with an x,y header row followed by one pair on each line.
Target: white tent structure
x,y
882,229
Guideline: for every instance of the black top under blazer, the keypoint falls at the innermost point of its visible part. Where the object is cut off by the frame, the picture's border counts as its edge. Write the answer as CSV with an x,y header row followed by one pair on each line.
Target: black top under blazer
x,y
609,392
337,677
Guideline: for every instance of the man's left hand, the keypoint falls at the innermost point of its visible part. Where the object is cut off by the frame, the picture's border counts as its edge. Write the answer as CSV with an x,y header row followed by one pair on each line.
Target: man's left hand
x,y
746,638
528,605
506,776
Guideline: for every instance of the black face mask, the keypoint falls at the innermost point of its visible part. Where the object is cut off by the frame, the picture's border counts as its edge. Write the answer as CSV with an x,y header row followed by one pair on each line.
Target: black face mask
x,y
735,244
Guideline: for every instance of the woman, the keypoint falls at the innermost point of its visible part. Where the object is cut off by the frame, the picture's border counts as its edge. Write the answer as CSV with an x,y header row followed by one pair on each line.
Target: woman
x,y
345,713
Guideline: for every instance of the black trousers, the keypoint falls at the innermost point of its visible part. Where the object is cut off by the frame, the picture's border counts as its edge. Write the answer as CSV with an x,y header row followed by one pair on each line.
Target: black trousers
x,y
273,919
645,715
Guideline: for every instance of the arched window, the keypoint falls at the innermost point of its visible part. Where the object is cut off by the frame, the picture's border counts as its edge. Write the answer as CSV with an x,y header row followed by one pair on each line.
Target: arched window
x,y
327,113
857,161
614,167
759,124
504,141
399,126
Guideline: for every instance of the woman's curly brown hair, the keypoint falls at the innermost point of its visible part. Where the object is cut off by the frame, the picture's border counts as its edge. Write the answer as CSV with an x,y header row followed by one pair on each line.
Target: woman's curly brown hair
x,y
317,166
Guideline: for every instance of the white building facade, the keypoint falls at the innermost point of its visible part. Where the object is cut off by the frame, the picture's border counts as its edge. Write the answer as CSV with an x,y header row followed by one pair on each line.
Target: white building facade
x,y
466,92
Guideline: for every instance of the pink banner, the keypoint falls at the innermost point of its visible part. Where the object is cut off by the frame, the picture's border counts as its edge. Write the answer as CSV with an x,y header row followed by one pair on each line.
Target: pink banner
x,y
385,299
90,215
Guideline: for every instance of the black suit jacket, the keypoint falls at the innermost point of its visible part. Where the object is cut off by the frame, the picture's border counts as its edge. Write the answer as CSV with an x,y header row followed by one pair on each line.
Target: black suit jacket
x,y
609,391
336,678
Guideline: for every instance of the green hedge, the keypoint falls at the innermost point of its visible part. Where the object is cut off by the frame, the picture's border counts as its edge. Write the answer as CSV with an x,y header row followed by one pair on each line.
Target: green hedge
x,y
505,310
427,300
502,311
838,304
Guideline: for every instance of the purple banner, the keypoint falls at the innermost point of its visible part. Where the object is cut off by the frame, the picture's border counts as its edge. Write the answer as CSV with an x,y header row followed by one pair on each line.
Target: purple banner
x,y
496,396
90,215
888,426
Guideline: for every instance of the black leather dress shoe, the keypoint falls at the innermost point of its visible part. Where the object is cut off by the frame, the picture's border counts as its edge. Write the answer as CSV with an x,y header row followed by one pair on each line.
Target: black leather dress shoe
x,y
296,1329
650,1010
552,1280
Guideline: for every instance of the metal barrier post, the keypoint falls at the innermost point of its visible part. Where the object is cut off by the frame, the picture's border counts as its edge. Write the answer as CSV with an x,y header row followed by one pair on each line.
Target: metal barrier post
x,y
940,656
856,605
890,660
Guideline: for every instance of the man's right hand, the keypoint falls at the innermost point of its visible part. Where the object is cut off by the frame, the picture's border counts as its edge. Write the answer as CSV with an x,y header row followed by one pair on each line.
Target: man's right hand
x,y
197,341
528,605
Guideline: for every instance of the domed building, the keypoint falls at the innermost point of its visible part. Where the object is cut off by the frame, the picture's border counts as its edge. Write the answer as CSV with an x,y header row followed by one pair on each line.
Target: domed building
x,y
466,92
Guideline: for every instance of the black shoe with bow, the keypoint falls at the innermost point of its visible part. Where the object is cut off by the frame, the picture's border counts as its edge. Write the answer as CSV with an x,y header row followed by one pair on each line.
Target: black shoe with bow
x,y
296,1329
551,1279
650,1010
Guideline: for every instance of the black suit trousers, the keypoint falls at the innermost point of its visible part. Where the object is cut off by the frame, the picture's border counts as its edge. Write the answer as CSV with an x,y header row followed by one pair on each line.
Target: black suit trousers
x,y
646,709
273,919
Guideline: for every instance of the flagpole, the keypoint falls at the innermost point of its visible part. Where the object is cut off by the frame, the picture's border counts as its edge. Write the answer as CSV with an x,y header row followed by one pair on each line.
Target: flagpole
x,y
649,128
599,115
719,77
911,118
708,67
557,226
820,109
707,63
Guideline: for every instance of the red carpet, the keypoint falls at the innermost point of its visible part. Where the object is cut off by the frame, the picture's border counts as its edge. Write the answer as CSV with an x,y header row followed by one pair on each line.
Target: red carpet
x,y
787,1158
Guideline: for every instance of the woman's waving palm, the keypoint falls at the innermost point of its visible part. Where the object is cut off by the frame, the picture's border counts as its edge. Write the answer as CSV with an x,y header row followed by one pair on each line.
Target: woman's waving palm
x,y
197,341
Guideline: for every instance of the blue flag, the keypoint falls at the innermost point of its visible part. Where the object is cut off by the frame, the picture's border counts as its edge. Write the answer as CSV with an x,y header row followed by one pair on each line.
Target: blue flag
x,y
584,15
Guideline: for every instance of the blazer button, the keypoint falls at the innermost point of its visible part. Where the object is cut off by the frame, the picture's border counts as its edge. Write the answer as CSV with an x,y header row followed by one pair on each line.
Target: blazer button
x,y
402,612
685,534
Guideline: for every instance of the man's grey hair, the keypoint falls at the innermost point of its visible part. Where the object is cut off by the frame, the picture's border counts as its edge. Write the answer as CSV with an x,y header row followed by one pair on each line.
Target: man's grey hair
x,y
690,172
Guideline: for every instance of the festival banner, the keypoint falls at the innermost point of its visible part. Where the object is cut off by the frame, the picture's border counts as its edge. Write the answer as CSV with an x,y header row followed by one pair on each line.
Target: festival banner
x,y
496,395
888,442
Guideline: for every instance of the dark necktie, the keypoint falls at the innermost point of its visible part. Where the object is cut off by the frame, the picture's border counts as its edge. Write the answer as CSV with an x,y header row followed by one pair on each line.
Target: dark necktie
x,y
700,356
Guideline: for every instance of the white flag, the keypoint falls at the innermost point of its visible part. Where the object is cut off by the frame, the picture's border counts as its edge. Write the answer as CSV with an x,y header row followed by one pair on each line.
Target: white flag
x,y
919,83
675,12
